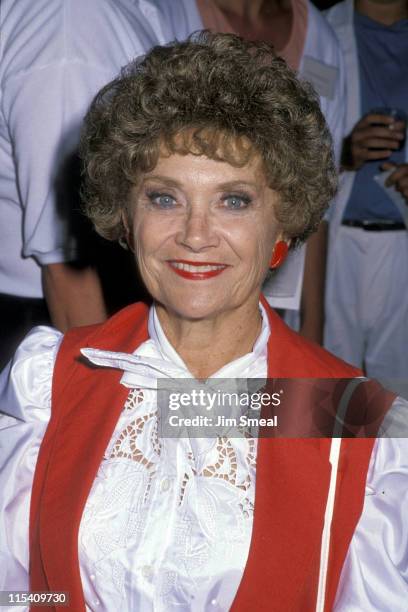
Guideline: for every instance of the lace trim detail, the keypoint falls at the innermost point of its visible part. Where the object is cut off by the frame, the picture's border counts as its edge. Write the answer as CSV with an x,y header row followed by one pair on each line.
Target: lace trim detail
x,y
221,460
126,445
225,467
135,397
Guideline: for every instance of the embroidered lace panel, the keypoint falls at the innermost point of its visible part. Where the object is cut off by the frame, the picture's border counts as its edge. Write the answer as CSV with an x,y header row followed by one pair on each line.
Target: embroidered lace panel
x,y
181,507
224,466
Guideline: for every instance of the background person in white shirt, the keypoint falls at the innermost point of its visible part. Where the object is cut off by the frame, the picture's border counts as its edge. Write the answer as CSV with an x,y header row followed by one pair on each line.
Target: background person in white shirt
x,y
367,300
55,55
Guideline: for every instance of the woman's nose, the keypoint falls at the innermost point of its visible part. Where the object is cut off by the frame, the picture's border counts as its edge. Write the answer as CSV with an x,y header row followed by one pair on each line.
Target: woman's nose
x,y
198,231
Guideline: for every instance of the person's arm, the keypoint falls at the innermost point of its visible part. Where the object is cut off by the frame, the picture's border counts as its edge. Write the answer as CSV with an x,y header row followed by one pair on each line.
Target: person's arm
x,y
375,572
74,296
44,142
25,409
312,300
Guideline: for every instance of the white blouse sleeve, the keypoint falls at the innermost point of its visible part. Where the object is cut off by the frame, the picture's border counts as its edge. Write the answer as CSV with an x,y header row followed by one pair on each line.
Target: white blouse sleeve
x,y
375,574
25,406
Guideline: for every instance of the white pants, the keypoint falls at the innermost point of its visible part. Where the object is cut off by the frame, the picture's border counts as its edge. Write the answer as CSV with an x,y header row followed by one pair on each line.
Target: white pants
x,y
367,302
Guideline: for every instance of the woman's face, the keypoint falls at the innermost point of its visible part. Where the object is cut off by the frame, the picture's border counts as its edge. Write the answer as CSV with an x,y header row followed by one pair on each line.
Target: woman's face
x,y
203,233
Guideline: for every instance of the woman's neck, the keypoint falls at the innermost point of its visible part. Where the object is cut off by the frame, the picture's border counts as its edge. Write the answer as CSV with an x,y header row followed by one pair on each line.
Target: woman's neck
x,y
207,345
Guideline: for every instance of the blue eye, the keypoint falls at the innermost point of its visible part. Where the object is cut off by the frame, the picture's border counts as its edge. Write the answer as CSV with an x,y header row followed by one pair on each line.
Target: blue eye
x,y
161,200
237,202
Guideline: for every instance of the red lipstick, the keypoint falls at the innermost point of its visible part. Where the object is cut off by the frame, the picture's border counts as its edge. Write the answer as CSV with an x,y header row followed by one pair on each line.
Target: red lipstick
x,y
183,268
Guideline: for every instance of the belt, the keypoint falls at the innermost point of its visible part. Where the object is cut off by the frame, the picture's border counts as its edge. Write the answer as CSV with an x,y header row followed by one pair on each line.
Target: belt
x,y
375,226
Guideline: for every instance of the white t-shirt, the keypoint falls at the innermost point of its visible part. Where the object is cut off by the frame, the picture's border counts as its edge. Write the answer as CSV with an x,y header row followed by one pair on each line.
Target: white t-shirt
x,y
55,56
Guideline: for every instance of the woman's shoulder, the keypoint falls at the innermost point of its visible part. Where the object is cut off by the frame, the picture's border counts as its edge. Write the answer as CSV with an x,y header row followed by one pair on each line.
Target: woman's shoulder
x,y
25,383
327,363
295,356
124,331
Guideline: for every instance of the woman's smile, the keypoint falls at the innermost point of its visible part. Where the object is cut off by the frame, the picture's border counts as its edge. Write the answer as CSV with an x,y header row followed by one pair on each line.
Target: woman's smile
x,y
196,270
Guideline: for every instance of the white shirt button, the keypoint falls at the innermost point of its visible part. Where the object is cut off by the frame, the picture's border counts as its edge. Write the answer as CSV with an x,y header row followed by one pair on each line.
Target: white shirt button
x,y
147,571
165,485
92,577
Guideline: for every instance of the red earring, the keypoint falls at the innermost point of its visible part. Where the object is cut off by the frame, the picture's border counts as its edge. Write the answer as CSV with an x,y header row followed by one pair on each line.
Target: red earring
x,y
279,254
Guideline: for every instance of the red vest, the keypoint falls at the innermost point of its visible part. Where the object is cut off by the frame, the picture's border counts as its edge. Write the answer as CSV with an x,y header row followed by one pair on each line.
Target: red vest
x,y
292,476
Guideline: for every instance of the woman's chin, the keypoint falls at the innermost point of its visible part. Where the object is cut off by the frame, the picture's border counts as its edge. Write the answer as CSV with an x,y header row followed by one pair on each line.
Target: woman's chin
x,y
193,309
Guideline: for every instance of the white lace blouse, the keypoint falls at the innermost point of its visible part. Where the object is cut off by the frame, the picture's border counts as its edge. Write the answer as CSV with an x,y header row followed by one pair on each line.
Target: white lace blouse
x,y
167,524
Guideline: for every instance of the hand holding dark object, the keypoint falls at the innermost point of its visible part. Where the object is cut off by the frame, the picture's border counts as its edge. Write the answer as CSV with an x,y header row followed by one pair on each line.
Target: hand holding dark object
x,y
374,137
399,178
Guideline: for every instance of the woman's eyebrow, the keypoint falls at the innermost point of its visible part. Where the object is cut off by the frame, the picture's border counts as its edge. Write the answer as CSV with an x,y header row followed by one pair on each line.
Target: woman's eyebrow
x,y
225,186
238,184
171,182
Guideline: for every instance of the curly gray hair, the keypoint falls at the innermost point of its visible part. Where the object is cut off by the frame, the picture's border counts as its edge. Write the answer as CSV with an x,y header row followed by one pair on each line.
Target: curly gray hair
x,y
214,95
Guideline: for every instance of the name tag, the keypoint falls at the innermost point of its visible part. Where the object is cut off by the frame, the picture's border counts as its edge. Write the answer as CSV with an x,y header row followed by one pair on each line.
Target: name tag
x,y
322,76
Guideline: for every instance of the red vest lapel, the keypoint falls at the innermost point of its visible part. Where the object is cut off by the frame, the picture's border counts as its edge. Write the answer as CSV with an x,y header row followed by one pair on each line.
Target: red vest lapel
x,y
281,572
86,406
291,488
291,493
